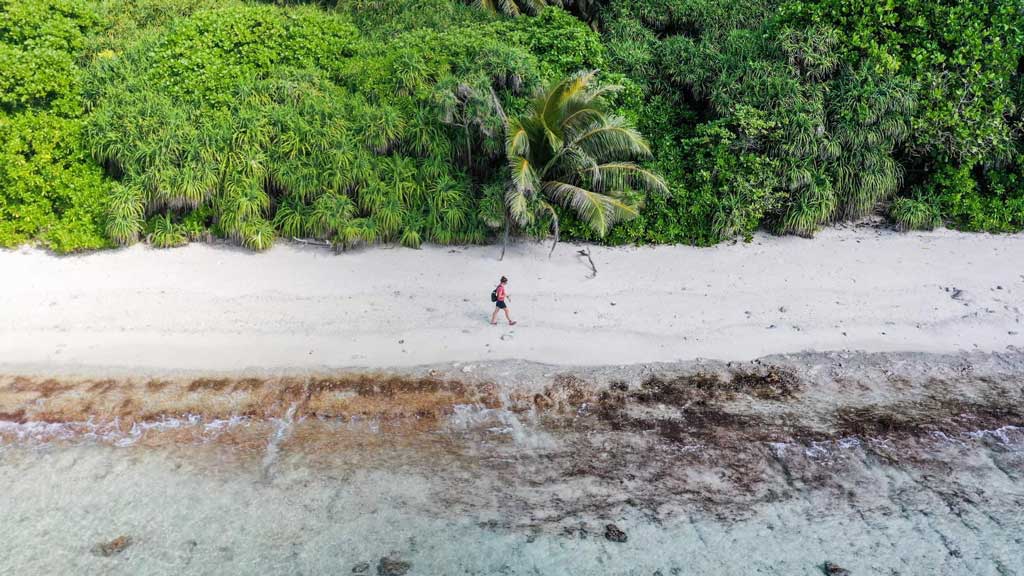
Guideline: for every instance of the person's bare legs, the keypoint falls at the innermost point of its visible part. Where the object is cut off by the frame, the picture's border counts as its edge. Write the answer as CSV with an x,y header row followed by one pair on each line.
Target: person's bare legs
x,y
494,316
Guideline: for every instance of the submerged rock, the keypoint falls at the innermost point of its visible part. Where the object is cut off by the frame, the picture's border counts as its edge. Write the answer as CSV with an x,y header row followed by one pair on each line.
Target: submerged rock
x,y
833,569
614,534
361,568
114,547
392,567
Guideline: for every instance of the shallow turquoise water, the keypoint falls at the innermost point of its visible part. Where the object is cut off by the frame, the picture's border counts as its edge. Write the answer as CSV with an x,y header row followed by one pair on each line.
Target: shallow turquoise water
x,y
490,494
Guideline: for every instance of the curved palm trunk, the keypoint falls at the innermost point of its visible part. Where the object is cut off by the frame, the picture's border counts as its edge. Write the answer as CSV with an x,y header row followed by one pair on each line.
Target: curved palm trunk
x,y
504,122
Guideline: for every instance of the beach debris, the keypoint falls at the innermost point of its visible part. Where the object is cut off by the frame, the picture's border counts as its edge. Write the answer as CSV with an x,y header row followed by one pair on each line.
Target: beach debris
x,y
361,568
612,533
782,309
833,569
112,548
391,567
586,253
957,294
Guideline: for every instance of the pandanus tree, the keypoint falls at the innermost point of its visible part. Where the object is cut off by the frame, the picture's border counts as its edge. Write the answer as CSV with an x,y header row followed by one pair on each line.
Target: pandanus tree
x,y
585,9
569,150
515,7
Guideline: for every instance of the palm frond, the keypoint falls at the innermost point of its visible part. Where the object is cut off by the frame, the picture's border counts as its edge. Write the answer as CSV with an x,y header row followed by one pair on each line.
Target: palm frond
x,y
626,175
599,211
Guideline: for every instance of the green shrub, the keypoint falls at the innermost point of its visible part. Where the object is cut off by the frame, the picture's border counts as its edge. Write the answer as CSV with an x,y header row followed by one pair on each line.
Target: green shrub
x,y
207,54
560,41
39,41
166,233
49,189
961,57
914,214
976,199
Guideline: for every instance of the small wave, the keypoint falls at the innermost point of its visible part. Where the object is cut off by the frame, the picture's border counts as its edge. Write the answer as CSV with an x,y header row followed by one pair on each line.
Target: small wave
x,y
113,432
281,430
469,417
1004,434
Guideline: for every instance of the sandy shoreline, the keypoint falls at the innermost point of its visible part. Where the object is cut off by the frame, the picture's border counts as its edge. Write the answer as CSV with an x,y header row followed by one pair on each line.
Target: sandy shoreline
x,y
301,308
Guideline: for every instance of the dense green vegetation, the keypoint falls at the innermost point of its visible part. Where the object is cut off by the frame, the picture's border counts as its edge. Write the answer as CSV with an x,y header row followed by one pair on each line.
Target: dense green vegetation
x,y
49,188
448,121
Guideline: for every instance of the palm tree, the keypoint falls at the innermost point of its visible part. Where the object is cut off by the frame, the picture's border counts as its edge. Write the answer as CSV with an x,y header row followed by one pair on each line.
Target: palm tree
x,y
569,150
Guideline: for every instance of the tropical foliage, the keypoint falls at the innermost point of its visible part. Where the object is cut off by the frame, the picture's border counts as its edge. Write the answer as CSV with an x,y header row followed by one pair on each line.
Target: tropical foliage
x,y
848,104
49,190
453,121
568,150
914,214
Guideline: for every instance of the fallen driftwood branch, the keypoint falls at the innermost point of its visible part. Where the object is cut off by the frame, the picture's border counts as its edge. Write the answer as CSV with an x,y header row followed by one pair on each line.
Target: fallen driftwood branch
x,y
589,259
311,242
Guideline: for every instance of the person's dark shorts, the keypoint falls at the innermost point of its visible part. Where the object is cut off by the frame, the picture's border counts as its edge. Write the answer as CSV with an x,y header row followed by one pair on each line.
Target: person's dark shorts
x,y
500,304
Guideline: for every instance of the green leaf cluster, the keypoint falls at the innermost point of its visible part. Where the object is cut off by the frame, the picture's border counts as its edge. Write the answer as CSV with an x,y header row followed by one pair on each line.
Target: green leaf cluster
x,y
50,191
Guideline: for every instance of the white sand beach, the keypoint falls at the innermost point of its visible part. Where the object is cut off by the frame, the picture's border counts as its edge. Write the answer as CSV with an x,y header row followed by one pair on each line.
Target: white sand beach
x,y
218,308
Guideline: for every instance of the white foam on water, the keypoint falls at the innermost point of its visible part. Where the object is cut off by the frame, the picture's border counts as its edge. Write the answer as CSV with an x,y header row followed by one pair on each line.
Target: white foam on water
x,y
112,431
466,417
1002,435
215,427
469,417
824,449
281,430
943,437
38,431
848,443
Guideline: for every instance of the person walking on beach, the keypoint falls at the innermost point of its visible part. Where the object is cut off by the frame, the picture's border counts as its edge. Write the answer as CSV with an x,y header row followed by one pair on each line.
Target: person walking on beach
x,y
500,297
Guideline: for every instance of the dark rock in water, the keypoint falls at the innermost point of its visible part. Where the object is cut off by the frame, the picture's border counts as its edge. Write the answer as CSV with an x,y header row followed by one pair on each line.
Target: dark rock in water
x,y
115,546
833,569
391,567
612,533
361,568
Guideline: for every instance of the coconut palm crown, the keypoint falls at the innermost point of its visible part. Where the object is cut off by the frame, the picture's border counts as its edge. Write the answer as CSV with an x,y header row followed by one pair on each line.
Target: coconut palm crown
x,y
569,150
